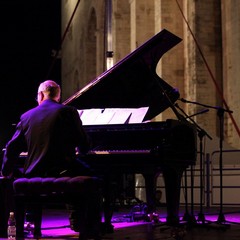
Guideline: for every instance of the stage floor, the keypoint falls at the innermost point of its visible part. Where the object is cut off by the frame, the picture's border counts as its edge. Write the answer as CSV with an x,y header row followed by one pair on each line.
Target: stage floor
x,y
56,226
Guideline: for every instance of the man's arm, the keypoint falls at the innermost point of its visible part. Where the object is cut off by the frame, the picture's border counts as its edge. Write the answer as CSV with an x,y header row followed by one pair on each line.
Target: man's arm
x,y
13,148
83,140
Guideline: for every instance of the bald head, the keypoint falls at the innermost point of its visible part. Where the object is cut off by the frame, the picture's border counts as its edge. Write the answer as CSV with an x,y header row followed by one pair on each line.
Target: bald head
x,y
48,90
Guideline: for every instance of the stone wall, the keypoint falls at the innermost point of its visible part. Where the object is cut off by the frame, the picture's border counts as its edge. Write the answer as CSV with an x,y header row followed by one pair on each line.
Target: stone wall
x,y
204,66
231,69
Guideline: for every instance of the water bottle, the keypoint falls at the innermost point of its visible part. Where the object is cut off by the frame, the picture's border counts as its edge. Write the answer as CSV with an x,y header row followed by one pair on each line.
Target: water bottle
x,y
11,226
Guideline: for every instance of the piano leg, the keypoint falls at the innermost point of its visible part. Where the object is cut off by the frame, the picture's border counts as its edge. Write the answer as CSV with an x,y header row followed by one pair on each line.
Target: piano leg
x,y
107,226
172,178
150,184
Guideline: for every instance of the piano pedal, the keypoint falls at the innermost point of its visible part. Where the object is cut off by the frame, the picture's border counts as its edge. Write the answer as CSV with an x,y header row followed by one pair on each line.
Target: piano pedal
x,y
28,229
153,217
139,212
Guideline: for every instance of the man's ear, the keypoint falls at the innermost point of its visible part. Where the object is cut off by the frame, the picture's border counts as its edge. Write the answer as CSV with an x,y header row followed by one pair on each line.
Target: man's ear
x,y
41,96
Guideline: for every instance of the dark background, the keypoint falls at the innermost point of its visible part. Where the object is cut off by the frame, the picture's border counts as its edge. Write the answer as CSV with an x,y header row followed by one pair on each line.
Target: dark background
x,y
30,31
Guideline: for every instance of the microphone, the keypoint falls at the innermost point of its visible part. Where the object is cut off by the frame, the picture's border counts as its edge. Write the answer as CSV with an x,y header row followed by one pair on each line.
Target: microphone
x,y
204,105
186,116
183,100
201,112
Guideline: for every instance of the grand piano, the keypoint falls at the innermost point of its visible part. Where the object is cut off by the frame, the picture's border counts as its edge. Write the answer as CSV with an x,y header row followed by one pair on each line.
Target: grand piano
x,y
149,148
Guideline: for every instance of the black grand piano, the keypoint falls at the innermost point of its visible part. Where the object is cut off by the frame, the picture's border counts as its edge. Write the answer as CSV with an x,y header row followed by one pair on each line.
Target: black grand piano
x,y
149,148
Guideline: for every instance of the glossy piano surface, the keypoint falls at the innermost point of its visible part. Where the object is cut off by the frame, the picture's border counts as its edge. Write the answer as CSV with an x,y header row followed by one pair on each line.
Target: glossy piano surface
x,y
133,81
147,148
152,143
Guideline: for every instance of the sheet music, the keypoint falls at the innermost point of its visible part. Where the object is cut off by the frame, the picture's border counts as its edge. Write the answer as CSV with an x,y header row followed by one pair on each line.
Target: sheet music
x,y
138,114
105,117
88,116
112,115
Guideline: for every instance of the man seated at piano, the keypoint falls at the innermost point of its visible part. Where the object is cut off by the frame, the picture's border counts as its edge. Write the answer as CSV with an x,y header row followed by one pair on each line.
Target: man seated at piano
x,y
50,134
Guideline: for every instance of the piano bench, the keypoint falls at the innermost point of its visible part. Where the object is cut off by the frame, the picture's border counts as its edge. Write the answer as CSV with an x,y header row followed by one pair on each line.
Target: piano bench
x,y
85,190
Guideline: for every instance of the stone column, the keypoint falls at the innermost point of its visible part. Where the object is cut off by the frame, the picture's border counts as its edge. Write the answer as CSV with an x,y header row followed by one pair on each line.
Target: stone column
x,y
231,69
121,29
171,65
204,19
141,21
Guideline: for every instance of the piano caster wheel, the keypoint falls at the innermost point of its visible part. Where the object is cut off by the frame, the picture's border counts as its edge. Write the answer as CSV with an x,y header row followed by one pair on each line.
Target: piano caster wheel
x,y
107,228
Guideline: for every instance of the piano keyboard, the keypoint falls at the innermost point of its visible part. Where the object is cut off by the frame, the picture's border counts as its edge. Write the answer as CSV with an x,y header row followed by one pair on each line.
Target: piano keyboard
x,y
122,151
142,151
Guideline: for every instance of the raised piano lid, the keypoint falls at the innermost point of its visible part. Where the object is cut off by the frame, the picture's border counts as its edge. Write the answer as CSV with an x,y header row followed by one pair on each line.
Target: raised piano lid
x,y
132,82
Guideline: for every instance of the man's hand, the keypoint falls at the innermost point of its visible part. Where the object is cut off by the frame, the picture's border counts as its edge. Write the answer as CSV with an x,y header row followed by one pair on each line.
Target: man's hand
x,y
2,176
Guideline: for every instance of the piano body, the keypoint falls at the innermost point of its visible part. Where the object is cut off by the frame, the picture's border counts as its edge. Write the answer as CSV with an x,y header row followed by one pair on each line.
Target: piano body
x,y
149,148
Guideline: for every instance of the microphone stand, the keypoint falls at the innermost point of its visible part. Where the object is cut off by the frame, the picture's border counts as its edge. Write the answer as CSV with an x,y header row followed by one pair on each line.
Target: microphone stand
x,y
220,113
201,134
176,232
